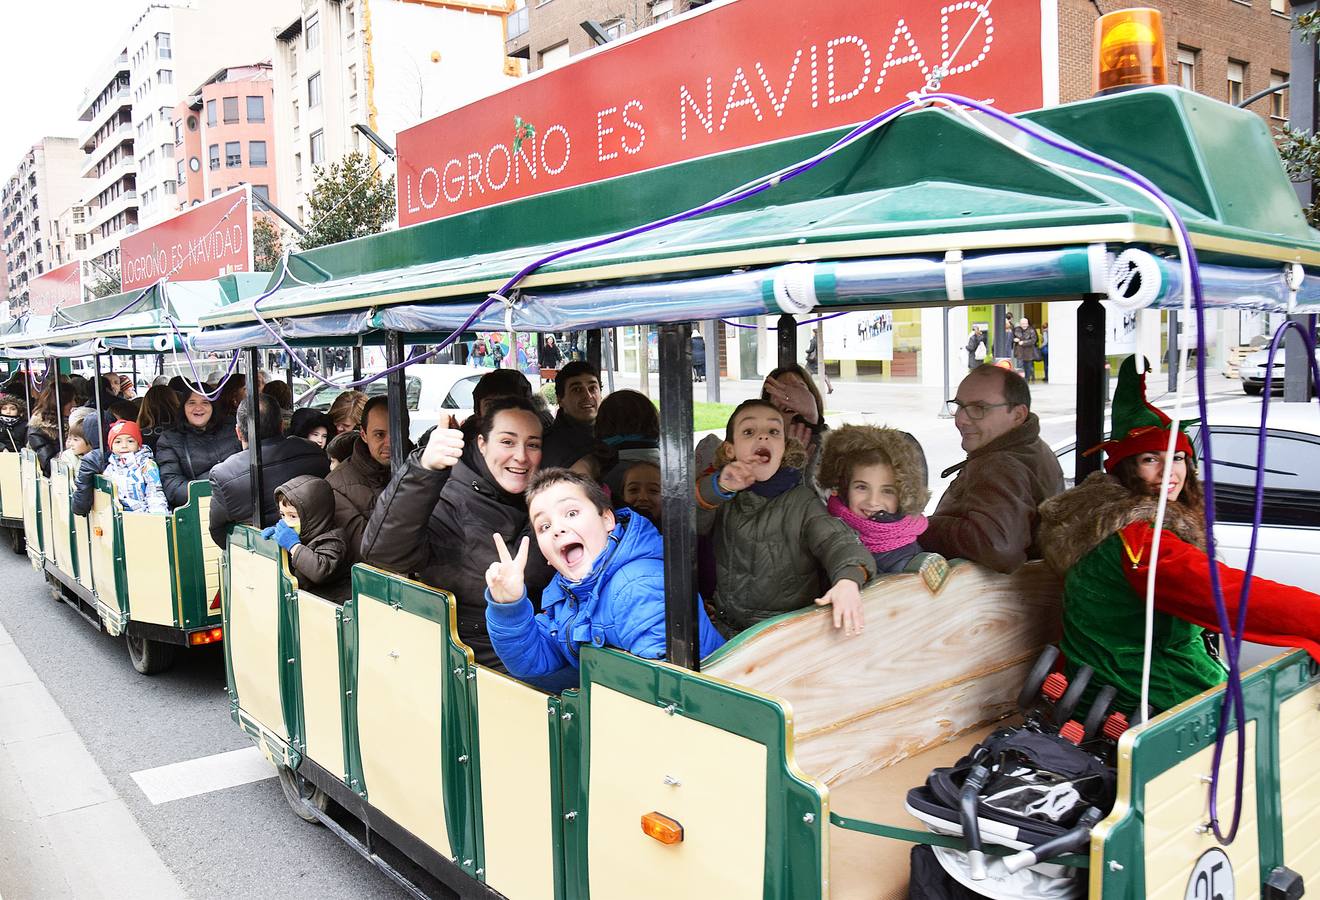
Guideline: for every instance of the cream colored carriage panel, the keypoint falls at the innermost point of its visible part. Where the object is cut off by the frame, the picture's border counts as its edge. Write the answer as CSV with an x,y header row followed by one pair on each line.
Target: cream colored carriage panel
x,y
47,532
400,671
927,668
516,789
636,749
318,645
254,639
59,518
102,520
1299,782
30,524
1177,805
82,535
147,562
11,486
210,551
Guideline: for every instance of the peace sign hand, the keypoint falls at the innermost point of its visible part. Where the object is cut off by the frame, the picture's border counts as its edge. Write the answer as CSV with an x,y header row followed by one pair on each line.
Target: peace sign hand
x,y
504,577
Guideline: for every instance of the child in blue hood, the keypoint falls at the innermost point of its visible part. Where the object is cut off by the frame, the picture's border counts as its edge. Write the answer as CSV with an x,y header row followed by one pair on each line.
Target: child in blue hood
x,y
609,587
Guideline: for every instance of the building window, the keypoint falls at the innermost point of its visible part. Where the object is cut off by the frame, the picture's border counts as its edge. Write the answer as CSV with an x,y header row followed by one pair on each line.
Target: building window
x,y
233,154
297,166
615,28
192,123
553,57
318,148
296,121
213,152
1277,6
256,109
1277,79
210,113
312,28
181,171
163,45
178,131
1187,68
661,10
215,192
262,191
350,21
352,81
231,110
256,153
171,187
314,91
1237,79
165,76
167,151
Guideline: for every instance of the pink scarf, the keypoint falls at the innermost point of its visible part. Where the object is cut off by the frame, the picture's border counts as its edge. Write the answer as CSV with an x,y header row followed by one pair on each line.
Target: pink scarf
x,y
879,537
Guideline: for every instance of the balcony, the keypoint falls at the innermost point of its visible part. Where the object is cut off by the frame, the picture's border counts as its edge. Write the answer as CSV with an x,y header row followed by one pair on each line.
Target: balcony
x,y
101,215
95,184
119,100
121,135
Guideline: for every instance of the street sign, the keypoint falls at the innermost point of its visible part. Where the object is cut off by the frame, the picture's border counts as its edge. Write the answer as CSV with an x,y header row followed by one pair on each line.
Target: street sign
x,y
56,288
728,76
202,242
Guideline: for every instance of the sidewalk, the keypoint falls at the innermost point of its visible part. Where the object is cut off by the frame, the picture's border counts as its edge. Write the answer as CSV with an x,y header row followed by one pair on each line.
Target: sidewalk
x,y
64,832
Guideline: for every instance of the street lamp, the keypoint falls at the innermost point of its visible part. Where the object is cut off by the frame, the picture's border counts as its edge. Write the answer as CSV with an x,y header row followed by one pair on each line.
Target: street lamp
x,y
376,139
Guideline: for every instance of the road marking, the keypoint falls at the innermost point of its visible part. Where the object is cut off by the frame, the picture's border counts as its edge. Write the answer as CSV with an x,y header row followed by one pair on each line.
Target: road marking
x,y
204,775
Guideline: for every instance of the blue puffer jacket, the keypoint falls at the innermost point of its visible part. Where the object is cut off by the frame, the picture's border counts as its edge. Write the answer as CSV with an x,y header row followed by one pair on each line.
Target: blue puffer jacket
x,y
620,604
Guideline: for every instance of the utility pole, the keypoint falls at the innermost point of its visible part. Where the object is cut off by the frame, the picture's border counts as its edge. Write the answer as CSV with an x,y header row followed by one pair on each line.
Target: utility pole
x,y
1302,116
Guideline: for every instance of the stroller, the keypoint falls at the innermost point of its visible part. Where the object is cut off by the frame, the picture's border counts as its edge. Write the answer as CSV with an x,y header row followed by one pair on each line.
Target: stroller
x,y
1036,788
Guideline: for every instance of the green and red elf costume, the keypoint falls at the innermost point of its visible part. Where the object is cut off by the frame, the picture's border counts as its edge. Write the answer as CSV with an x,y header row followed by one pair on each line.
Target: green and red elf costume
x,y
1098,536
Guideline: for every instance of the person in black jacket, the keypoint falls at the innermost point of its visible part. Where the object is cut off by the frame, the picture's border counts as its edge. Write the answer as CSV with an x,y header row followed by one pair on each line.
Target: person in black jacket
x,y
44,426
13,423
92,464
281,459
189,450
435,518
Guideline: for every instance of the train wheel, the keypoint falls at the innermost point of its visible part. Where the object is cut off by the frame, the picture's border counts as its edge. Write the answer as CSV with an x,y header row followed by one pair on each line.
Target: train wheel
x,y
301,794
17,541
149,657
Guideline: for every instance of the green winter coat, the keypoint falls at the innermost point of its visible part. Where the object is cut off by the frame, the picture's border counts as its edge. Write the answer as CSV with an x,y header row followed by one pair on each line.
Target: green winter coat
x,y
770,553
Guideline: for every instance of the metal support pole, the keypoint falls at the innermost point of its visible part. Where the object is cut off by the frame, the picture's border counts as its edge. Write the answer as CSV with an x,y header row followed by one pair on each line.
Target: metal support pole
x,y
357,362
1171,358
1001,339
787,335
398,403
1090,383
1297,387
644,359
27,382
288,375
254,436
608,345
59,409
593,348
712,360
133,357
948,385
96,393
677,500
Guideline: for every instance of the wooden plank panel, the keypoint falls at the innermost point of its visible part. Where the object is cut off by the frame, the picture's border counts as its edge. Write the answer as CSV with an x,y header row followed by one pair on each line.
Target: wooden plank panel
x,y
147,560
253,637
60,520
318,655
11,486
103,549
1299,736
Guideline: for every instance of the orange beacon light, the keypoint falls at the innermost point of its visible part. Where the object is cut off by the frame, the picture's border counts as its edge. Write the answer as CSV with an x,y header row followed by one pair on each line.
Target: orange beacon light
x,y
1129,50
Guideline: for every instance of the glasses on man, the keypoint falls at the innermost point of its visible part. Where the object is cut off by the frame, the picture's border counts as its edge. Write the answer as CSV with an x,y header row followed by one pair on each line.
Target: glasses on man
x,y
974,411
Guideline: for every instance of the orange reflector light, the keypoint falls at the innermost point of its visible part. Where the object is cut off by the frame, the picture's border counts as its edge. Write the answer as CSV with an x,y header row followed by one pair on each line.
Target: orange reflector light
x,y
209,636
1129,49
662,828
96,530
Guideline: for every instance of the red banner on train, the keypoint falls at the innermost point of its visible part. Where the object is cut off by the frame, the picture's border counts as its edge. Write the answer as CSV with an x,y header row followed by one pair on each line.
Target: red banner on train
x,y
55,289
731,76
203,242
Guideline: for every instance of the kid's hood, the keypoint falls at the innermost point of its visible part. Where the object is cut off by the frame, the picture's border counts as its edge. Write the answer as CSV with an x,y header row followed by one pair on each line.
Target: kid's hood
x,y
315,501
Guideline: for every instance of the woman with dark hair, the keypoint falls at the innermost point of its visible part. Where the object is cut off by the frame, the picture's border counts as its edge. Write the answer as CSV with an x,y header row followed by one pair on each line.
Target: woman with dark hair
x,y
436,517
47,419
282,393
1099,537
312,425
629,424
232,394
159,413
791,390
202,437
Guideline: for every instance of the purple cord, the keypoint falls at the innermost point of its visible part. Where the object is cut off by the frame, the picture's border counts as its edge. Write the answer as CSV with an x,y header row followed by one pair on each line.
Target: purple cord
x,y
1233,699
824,318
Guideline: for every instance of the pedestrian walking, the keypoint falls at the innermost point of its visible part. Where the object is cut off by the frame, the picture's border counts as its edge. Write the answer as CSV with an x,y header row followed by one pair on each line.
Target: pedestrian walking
x,y
1024,348
977,347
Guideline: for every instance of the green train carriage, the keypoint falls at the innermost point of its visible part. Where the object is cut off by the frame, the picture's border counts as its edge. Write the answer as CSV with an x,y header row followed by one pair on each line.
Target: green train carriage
x,y
152,579
786,755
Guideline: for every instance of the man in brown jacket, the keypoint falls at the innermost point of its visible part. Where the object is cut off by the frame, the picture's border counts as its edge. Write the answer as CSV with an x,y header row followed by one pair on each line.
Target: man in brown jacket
x,y
358,481
988,514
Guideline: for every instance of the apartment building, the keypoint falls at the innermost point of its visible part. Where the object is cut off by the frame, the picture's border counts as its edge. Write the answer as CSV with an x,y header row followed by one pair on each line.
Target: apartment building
x,y
46,182
69,236
224,136
546,33
129,106
387,64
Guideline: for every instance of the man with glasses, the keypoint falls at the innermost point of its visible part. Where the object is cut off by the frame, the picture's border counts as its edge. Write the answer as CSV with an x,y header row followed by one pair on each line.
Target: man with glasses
x,y
988,514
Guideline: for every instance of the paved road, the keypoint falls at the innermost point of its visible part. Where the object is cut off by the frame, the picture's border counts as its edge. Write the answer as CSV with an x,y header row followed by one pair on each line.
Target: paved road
x,y
233,843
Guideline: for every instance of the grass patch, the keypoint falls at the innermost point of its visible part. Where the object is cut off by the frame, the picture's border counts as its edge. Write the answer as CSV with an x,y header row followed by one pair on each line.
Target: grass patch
x,y
711,416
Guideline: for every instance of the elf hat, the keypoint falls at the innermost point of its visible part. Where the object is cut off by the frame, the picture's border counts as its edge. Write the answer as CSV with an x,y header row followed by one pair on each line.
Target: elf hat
x,y
125,427
1137,427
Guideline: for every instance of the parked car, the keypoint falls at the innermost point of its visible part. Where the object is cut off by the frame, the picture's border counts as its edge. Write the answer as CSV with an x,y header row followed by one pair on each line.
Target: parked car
x,y
433,391
1252,370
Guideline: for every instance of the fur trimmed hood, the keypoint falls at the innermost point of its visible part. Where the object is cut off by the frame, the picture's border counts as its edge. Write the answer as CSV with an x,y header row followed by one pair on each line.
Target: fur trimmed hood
x,y
41,422
847,443
1075,522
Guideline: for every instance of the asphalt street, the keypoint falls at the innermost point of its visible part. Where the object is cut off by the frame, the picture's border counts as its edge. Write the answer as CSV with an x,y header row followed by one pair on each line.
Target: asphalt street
x,y
238,842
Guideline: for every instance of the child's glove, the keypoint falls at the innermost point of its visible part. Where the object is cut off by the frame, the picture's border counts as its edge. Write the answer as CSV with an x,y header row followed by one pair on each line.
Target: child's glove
x,y
268,533
286,537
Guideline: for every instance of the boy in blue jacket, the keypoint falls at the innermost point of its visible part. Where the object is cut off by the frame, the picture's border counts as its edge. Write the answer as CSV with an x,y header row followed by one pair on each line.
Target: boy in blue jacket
x,y
609,589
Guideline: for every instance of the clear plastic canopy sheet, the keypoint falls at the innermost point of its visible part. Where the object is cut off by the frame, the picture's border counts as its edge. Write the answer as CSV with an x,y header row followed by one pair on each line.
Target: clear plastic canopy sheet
x,y
329,325
86,348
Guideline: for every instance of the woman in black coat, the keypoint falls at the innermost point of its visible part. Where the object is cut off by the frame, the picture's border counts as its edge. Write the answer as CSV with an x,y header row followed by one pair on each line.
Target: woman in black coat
x,y
46,422
455,510
188,452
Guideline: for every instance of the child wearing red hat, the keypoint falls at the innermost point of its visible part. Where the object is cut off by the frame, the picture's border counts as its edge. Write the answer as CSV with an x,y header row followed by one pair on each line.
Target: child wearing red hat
x,y
133,471
1099,537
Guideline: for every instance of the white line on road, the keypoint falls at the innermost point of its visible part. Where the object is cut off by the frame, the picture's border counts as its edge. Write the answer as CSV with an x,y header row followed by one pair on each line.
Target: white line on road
x,y
204,775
